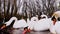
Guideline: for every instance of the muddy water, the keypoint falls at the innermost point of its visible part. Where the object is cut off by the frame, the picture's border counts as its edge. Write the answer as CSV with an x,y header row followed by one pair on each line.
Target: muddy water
x,y
20,31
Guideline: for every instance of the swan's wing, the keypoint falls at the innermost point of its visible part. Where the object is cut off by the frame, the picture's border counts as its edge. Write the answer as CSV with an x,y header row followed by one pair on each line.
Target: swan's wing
x,y
52,30
42,24
57,27
20,23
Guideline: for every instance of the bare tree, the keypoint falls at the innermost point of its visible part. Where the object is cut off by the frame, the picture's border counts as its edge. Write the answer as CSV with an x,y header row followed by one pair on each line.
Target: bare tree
x,y
8,8
48,6
4,10
38,8
0,5
12,10
0,8
1,17
15,5
24,10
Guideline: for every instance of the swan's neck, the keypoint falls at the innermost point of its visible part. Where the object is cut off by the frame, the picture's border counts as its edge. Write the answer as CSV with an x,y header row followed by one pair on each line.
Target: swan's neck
x,y
13,18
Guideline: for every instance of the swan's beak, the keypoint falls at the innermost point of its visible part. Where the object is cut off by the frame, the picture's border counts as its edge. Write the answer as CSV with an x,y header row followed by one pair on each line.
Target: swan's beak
x,y
3,26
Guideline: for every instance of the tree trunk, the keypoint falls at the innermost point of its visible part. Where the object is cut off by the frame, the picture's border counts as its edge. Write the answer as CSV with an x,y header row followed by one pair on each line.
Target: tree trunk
x,y
15,10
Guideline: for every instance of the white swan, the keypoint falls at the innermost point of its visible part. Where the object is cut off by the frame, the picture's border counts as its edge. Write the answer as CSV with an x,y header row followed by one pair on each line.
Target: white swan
x,y
31,23
56,28
43,24
40,25
17,24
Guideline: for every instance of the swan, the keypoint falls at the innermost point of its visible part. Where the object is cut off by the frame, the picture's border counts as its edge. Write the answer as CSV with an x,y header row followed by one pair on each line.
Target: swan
x,y
32,22
56,28
17,23
42,24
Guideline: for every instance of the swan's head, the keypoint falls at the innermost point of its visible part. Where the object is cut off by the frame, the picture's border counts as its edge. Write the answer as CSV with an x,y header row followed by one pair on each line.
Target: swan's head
x,y
44,16
34,19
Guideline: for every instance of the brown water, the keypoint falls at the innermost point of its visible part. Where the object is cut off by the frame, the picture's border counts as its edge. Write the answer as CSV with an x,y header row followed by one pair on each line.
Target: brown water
x,y
20,31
